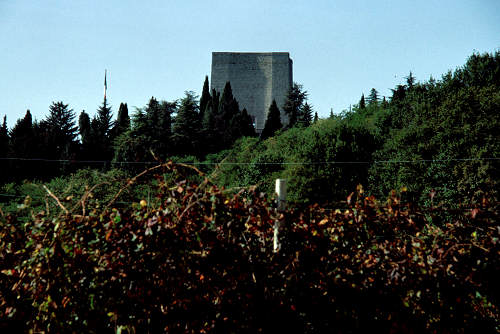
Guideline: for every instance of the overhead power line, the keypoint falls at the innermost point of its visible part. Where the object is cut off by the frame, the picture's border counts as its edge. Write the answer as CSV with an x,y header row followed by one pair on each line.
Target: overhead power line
x,y
256,163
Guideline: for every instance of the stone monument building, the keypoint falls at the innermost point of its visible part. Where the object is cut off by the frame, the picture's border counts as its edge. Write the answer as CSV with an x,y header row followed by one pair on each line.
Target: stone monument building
x,y
256,79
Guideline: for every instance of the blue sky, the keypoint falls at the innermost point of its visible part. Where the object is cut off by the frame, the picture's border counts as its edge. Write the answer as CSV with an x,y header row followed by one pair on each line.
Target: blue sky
x,y
58,50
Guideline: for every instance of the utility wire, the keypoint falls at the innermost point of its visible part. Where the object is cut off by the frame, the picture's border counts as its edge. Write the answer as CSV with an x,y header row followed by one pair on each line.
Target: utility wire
x,y
258,163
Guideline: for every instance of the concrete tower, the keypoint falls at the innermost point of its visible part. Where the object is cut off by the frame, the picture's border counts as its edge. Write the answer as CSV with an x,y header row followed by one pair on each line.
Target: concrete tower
x,y
256,79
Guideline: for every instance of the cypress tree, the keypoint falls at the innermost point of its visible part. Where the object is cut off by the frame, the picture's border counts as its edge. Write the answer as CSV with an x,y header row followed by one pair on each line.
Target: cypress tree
x,y
246,124
215,101
228,106
208,130
85,130
4,147
362,104
273,122
4,138
225,123
22,144
122,123
205,97
153,119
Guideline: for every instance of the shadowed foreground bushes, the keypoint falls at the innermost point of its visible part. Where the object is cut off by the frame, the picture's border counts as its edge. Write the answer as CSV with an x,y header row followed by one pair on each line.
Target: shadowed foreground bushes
x,y
202,261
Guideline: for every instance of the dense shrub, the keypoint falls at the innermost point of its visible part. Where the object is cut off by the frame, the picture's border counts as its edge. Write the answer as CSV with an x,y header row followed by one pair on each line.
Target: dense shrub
x,y
202,261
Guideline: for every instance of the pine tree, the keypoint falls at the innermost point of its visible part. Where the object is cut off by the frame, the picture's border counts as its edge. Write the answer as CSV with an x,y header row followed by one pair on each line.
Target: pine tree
x,y
293,104
102,133
410,80
186,129
61,130
104,117
165,128
331,113
373,97
306,115
273,122
316,118
205,97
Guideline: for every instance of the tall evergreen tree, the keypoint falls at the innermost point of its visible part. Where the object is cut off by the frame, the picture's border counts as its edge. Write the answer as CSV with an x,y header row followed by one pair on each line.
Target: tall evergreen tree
x,y
228,106
22,145
205,97
134,144
215,101
62,130
316,118
242,125
362,104
410,80
4,138
85,130
102,126
153,118
187,126
104,117
273,122
384,103
4,147
228,110
208,130
165,127
21,136
373,97
398,94
294,102
306,115
122,123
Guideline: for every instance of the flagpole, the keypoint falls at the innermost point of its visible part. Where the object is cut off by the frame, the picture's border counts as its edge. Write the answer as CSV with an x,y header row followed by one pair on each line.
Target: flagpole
x,y
105,84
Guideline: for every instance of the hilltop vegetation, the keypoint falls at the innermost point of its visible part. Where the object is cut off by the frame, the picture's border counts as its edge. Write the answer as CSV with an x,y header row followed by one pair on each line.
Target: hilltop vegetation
x,y
406,237
438,136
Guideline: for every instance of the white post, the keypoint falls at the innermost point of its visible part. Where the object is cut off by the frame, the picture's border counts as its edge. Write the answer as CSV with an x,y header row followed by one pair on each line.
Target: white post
x,y
281,206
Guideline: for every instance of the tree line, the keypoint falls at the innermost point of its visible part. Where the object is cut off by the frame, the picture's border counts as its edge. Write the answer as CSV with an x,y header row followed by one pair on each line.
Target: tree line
x,y
435,140
161,129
